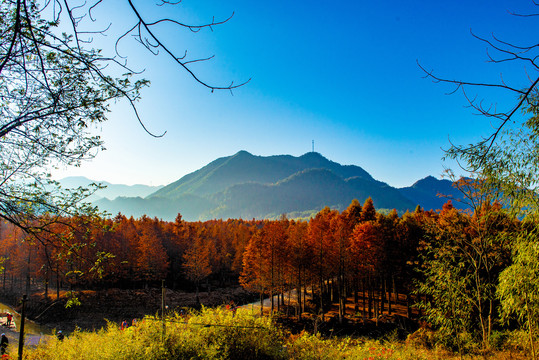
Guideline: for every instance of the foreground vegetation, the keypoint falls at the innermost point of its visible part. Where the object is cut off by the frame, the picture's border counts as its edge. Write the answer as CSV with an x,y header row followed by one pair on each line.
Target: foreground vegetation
x,y
222,334
448,267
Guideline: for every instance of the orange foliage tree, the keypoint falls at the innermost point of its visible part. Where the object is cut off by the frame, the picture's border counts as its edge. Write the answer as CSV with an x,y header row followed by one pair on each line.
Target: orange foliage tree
x,y
197,258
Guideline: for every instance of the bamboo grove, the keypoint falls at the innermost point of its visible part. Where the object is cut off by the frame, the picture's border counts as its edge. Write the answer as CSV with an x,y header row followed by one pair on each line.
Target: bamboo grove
x,y
446,263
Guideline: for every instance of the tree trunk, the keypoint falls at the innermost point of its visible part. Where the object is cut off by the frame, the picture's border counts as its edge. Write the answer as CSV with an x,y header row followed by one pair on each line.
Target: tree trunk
x,y
490,310
28,275
363,298
298,291
305,294
57,283
356,295
322,298
530,331
197,299
271,300
382,295
369,292
408,308
289,296
376,314
395,290
388,300
340,298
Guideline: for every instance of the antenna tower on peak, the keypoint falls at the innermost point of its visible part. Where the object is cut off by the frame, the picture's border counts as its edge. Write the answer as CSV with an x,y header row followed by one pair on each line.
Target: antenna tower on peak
x,y
313,145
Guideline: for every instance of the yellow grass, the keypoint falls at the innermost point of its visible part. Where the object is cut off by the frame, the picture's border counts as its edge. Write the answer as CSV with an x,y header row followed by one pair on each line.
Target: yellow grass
x,y
221,334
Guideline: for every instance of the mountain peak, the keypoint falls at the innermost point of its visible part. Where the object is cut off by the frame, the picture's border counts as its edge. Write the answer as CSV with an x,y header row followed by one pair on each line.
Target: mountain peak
x,y
428,181
312,154
244,167
242,153
432,193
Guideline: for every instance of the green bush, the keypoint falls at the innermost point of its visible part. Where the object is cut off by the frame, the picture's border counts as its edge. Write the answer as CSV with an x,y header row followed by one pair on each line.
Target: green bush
x,y
498,340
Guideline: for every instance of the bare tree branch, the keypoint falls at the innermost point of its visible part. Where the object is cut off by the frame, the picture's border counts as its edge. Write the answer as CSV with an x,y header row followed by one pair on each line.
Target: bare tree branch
x,y
54,90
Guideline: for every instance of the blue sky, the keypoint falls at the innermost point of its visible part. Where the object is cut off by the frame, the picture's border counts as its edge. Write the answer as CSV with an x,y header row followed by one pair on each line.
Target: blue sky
x,y
341,73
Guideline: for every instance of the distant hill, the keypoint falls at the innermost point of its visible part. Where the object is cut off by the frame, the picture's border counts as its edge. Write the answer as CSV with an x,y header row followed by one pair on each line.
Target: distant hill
x,y
244,167
190,206
310,189
112,191
248,186
432,193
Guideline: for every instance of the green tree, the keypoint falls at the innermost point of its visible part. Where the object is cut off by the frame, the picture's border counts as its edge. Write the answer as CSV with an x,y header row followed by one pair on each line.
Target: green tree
x,y
510,165
518,289
445,279
462,258
507,159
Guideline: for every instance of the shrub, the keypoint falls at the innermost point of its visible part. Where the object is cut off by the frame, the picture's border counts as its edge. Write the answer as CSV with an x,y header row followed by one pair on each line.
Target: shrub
x,y
209,334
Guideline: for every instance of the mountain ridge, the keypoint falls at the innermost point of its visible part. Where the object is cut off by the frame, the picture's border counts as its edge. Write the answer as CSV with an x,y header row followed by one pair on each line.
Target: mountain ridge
x,y
432,193
111,191
244,185
244,167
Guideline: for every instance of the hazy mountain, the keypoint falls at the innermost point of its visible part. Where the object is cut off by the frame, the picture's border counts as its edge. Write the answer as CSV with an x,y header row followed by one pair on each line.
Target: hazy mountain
x,y
310,189
190,206
432,193
248,186
244,167
112,191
